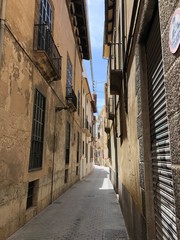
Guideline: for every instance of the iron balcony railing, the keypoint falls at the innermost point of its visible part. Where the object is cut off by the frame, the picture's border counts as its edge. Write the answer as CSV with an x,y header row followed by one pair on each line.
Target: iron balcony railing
x,y
43,41
71,98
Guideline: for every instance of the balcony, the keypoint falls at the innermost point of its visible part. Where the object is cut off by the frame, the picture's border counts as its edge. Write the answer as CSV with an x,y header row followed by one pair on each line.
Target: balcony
x,y
71,99
46,54
115,81
107,126
110,109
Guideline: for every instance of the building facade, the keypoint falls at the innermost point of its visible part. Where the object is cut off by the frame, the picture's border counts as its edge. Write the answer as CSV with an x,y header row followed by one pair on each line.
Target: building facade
x,y
43,43
143,107
101,140
88,128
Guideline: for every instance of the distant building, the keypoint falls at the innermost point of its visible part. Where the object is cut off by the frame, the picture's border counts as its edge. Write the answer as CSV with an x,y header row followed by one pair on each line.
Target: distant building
x,y
101,144
88,128
42,45
141,42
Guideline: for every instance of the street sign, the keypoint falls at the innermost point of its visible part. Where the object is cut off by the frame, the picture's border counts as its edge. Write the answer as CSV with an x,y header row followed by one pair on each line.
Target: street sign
x,y
174,31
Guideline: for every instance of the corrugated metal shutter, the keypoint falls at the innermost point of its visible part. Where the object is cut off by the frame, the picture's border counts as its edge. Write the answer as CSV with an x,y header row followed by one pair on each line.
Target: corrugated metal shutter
x,y
164,204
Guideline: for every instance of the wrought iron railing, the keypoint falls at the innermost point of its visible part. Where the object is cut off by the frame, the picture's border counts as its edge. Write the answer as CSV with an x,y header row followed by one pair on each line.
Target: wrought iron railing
x,y
43,41
71,97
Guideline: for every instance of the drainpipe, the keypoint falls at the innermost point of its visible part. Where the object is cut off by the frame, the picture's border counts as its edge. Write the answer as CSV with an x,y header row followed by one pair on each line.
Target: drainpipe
x,y
116,152
2,27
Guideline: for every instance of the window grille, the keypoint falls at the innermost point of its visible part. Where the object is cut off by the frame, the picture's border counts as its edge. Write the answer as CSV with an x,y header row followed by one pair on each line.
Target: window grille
x,y
69,77
45,14
45,25
91,154
67,142
36,152
79,103
77,147
66,176
30,194
109,148
86,153
77,171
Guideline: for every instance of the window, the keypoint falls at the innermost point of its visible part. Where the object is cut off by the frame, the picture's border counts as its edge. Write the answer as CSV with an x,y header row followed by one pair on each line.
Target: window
x,y
83,119
30,195
69,77
36,151
66,176
45,26
109,148
45,15
86,153
91,154
79,103
83,147
77,171
67,142
77,160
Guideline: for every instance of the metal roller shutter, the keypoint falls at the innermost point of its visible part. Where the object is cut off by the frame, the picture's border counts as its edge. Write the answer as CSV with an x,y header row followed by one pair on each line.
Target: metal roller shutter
x,y
164,204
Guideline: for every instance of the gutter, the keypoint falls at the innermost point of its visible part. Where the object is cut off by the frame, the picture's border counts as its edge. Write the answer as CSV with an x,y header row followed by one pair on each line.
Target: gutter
x,y
2,27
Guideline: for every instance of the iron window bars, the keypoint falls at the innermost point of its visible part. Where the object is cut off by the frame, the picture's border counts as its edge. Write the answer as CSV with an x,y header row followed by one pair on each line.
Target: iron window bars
x,y
36,151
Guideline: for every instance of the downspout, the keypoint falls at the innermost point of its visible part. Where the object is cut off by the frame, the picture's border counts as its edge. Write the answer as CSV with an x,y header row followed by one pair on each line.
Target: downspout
x,y
116,152
2,27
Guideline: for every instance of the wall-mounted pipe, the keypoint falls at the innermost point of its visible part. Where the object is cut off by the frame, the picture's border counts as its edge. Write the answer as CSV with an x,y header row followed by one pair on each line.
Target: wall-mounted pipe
x,y
2,27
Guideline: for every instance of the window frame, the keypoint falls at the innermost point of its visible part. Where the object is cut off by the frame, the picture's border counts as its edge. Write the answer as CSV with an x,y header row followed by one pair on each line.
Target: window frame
x,y
69,76
68,140
38,126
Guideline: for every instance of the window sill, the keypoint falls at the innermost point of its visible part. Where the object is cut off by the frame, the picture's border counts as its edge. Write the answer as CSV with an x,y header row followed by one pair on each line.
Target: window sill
x,y
35,169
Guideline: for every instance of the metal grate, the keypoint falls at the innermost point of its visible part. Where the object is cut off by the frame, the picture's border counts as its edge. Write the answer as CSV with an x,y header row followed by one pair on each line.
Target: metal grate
x,y
164,205
36,151
77,171
31,186
86,153
66,176
79,102
77,158
67,142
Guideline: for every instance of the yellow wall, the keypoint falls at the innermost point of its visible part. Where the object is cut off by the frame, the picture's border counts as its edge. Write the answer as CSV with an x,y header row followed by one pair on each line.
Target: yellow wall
x,y
19,78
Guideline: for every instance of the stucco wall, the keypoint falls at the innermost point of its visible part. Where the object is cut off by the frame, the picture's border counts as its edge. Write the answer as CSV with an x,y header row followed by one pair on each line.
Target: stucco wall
x,y
18,79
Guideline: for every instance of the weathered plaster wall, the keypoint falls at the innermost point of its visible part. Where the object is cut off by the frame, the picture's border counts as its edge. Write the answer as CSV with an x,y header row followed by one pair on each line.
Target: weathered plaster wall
x,y
128,161
18,79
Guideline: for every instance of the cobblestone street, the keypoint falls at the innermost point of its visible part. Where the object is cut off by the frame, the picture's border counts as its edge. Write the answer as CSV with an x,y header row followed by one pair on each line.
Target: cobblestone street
x,y
89,210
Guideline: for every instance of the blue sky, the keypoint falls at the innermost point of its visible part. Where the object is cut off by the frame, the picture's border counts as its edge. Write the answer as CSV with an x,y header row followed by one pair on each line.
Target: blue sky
x,y
96,26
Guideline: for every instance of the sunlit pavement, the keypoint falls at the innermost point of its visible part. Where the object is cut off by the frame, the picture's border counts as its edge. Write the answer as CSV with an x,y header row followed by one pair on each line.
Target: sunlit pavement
x,y
89,210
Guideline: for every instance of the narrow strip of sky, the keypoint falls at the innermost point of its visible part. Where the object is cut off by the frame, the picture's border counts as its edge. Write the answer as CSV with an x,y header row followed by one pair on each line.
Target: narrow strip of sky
x,y
96,27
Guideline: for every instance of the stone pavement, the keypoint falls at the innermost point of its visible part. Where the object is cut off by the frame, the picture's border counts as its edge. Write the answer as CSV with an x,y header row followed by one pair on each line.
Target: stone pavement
x,y
89,210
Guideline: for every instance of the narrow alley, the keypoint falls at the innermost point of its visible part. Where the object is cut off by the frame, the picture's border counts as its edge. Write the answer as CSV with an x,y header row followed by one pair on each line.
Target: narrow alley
x,y
89,210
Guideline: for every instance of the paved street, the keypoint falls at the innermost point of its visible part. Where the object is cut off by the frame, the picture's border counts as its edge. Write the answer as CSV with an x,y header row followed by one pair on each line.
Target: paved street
x,y
89,210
